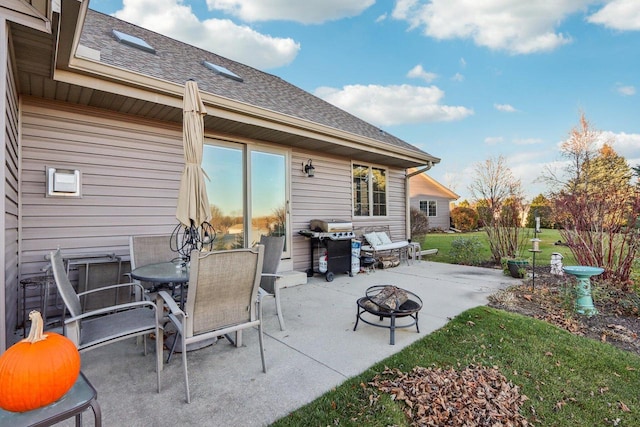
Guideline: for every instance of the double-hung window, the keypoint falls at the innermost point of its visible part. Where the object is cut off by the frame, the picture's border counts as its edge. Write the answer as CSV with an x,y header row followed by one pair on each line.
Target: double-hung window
x,y
428,207
369,190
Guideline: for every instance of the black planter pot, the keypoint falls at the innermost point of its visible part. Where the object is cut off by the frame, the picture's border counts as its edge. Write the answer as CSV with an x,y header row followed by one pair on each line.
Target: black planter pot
x,y
516,267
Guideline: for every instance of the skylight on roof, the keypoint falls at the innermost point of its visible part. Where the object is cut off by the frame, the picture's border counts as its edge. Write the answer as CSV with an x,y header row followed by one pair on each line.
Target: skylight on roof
x,y
133,41
219,69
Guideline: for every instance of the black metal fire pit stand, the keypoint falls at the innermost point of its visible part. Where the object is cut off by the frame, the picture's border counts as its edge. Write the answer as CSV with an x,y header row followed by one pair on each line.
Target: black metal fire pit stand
x,y
409,309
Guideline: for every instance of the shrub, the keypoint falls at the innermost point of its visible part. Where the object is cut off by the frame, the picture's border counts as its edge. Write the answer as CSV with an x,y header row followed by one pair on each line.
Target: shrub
x,y
464,219
419,223
466,250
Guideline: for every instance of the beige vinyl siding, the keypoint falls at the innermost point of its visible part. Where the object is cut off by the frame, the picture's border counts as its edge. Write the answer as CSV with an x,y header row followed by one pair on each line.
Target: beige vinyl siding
x,y
441,220
10,205
130,177
397,204
131,170
423,189
328,196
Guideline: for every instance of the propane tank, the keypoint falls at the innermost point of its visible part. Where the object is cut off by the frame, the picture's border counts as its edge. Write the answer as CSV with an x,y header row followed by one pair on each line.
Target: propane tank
x,y
322,263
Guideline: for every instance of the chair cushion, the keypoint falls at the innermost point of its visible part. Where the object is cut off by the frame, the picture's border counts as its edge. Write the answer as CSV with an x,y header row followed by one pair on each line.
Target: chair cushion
x,y
373,239
384,238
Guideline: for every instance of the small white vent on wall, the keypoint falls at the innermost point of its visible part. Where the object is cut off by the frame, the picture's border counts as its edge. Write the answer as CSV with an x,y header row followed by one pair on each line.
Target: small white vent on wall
x,y
63,182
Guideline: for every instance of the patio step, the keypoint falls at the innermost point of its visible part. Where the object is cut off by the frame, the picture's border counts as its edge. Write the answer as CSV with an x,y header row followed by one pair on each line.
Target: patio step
x,y
291,278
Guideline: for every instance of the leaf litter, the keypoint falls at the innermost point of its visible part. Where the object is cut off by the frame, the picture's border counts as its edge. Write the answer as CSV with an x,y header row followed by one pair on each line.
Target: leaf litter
x,y
473,396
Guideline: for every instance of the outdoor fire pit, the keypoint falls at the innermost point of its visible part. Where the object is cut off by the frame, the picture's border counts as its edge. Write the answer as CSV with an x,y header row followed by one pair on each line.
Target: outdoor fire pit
x,y
389,302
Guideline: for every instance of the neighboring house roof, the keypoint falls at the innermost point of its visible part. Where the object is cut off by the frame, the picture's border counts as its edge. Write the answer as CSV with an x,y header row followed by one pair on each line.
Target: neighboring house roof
x,y
423,185
91,67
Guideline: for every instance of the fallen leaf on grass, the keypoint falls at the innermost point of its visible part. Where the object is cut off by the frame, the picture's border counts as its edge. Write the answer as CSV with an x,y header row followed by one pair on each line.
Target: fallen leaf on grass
x,y
623,407
475,396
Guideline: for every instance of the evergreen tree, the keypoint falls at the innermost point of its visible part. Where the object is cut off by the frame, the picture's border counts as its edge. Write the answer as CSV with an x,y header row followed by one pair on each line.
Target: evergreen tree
x,y
540,207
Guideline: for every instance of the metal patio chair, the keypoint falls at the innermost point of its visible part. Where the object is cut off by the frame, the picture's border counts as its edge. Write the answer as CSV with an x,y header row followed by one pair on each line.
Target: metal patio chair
x,y
95,328
273,247
222,298
145,249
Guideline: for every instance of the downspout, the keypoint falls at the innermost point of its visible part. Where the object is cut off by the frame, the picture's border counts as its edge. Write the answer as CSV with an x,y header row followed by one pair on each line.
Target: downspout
x,y
407,196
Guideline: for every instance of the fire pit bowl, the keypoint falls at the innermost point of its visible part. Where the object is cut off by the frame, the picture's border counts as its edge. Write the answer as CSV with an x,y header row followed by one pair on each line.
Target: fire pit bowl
x,y
584,301
408,309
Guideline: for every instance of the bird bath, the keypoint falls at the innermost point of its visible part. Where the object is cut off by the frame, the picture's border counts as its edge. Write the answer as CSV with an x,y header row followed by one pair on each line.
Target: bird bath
x,y
584,302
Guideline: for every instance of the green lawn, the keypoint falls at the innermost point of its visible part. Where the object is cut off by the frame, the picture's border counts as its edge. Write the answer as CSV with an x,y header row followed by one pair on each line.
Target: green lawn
x,y
569,380
442,242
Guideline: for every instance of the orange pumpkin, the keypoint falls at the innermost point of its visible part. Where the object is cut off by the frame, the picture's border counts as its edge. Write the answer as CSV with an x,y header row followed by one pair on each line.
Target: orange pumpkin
x,y
38,370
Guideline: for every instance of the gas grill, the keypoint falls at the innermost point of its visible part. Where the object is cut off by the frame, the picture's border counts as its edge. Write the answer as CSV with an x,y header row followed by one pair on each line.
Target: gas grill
x,y
334,236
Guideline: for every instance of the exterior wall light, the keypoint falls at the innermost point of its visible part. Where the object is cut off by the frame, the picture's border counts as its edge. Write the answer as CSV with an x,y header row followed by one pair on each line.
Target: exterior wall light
x,y
309,169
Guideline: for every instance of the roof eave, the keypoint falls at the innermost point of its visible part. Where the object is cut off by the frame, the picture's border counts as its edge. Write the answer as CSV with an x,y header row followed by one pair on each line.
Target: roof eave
x,y
89,72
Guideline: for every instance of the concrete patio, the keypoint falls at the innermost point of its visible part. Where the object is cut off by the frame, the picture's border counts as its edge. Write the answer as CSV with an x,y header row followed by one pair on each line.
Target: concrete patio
x,y
318,351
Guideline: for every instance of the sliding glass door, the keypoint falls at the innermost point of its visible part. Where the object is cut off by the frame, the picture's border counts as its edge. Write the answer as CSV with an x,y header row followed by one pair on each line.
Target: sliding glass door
x,y
248,191
269,206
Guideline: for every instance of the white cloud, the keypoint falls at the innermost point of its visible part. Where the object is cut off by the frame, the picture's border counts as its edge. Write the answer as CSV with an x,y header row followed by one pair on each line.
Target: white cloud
x,y
381,18
393,105
306,12
626,90
493,140
463,63
625,144
457,77
619,15
505,108
515,26
418,72
527,141
221,36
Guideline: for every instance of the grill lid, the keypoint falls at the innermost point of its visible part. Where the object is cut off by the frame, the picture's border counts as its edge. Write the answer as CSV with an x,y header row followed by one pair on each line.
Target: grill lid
x,y
330,225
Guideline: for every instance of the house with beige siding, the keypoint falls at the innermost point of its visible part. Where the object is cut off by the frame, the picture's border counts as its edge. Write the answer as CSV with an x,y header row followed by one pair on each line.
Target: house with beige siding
x,y
432,198
99,101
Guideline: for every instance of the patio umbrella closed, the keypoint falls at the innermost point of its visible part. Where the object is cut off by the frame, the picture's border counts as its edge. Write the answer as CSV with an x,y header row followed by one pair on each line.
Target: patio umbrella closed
x,y
193,203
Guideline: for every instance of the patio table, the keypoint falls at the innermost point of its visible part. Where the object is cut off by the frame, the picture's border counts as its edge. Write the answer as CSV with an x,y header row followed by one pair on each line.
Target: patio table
x,y
81,396
176,274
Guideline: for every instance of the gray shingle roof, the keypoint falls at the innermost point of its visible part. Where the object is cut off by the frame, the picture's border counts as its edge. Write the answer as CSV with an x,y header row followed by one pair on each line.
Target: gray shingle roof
x,y
177,62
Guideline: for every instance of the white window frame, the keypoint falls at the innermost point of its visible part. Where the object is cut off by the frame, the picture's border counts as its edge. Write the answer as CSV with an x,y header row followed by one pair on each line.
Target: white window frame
x,y
247,148
370,190
428,204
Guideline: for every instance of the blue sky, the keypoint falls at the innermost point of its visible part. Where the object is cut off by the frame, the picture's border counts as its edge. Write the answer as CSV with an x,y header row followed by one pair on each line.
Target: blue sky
x,y
463,80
